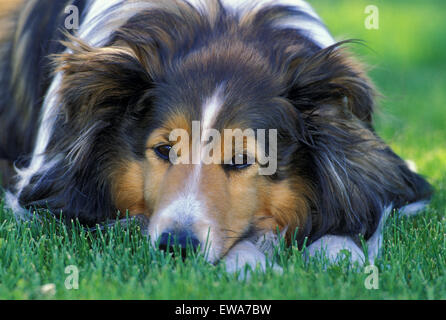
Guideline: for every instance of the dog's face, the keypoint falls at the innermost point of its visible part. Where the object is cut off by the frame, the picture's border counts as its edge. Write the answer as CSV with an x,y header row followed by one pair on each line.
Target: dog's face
x,y
210,167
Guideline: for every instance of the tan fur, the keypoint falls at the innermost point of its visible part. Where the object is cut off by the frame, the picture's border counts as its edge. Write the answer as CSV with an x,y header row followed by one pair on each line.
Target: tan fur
x,y
287,202
128,188
9,6
8,10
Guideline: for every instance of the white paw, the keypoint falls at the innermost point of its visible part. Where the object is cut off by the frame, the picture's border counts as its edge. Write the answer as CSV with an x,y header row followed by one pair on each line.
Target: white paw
x,y
333,248
246,256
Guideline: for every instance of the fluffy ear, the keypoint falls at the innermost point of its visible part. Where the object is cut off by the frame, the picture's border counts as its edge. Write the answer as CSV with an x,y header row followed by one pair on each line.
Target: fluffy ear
x,y
355,174
100,96
98,80
331,76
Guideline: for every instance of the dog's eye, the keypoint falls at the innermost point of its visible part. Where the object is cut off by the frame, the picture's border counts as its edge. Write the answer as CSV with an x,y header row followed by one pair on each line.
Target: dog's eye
x,y
163,151
239,161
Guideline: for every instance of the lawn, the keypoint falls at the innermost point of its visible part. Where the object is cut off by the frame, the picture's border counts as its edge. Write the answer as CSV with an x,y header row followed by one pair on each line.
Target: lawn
x,y
407,56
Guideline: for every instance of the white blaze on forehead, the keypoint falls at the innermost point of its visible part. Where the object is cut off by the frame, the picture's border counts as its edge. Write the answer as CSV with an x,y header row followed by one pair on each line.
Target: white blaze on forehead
x,y
203,130
211,110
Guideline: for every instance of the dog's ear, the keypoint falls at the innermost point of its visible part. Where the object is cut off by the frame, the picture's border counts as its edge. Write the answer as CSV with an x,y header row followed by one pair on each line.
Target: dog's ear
x,y
102,92
355,174
98,80
331,76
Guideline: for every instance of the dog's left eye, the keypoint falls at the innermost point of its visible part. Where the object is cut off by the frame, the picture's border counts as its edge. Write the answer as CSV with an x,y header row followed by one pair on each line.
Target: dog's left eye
x,y
239,161
163,151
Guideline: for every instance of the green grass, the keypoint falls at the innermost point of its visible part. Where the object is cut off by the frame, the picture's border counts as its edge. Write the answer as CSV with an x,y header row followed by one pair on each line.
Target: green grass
x,y
408,62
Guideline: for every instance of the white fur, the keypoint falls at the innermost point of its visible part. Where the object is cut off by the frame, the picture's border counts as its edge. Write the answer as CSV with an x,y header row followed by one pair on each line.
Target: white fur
x,y
49,112
106,16
313,28
242,254
412,165
413,208
247,254
181,212
331,247
211,110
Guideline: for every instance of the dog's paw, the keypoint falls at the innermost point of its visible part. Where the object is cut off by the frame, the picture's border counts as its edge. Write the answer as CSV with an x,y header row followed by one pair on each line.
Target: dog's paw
x,y
334,248
245,257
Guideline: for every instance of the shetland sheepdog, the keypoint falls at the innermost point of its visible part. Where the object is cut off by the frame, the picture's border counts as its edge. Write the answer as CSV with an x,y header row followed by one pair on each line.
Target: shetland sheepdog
x,y
113,107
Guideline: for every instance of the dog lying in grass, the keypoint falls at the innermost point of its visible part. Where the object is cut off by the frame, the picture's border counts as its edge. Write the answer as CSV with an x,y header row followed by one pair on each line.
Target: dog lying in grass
x,y
219,122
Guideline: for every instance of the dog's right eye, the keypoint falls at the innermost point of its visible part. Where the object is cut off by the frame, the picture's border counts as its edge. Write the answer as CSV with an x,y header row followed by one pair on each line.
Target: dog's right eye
x,y
239,162
163,151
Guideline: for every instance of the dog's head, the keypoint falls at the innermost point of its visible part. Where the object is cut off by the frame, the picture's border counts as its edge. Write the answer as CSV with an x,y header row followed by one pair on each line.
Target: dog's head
x,y
217,127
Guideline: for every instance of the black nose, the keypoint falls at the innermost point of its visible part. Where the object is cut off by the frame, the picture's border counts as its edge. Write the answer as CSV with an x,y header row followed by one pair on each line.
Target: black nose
x,y
183,240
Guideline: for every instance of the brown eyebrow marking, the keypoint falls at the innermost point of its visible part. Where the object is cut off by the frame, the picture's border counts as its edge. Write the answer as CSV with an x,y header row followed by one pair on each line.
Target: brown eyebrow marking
x,y
161,135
